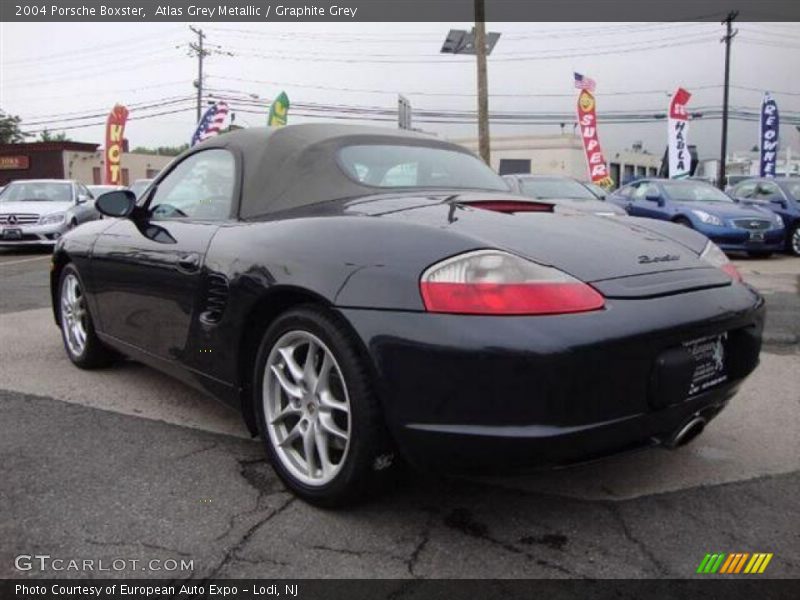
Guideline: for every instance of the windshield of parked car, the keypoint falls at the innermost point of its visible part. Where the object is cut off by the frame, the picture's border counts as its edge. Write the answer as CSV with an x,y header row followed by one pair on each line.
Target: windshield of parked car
x,y
547,188
140,185
37,191
793,188
694,191
389,166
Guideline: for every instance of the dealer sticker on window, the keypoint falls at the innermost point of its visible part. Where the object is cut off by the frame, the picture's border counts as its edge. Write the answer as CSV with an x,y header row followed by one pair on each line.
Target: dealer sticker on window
x,y
709,362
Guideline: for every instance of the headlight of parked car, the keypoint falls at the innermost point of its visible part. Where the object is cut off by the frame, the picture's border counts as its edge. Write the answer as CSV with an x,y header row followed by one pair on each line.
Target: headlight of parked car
x,y
707,218
713,255
52,219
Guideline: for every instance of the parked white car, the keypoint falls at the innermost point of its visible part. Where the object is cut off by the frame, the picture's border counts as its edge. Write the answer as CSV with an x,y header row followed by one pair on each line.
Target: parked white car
x,y
39,211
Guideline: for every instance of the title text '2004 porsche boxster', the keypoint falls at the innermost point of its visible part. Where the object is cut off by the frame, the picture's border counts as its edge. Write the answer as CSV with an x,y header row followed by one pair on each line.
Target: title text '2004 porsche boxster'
x,y
367,297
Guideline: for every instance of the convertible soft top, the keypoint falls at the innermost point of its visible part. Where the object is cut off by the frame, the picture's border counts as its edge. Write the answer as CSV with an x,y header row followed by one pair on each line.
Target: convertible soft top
x,y
297,165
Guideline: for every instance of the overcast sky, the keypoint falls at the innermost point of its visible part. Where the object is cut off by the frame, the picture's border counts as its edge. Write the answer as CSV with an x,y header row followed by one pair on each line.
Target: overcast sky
x,y
50,72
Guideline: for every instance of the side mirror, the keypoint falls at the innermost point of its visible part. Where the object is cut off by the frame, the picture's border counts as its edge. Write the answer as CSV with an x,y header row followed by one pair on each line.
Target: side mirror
x,y
119,203
779,201
82,199
654,198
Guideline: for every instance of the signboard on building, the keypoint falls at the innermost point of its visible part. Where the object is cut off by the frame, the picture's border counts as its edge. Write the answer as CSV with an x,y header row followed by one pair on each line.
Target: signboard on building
x,y
14,163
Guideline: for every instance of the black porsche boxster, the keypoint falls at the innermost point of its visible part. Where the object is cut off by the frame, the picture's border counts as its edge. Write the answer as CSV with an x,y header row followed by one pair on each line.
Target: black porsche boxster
x,y
368,297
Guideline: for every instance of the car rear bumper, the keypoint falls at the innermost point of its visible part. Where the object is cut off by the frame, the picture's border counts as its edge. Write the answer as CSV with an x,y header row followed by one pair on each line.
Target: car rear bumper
x,y
466,393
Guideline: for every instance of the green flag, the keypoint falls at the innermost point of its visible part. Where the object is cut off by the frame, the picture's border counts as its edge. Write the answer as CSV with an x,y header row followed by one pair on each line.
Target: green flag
x,y
279,111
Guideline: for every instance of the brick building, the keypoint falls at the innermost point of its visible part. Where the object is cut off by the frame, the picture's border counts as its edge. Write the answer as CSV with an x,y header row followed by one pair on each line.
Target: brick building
x,y
72,160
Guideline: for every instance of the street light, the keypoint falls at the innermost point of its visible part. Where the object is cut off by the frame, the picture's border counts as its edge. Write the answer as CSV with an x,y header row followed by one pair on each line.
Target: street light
x,y
481,44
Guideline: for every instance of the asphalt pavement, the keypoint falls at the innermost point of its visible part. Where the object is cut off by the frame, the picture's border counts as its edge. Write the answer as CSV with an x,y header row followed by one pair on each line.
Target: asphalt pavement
x,y
126,464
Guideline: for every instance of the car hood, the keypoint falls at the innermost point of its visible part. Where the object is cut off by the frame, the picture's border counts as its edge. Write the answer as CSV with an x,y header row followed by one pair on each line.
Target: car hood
x,y
588,247
725,210
34,207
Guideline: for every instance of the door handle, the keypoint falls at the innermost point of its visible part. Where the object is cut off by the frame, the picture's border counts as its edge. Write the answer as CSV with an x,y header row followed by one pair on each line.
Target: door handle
x,y
189,262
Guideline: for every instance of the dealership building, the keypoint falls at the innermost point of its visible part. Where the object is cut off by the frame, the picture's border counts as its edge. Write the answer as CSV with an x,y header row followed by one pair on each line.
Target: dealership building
x,y
72,160
562,154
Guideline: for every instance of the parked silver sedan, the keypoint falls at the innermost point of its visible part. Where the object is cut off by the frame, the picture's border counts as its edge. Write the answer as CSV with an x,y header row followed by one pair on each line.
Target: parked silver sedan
x,y
39,211
562,191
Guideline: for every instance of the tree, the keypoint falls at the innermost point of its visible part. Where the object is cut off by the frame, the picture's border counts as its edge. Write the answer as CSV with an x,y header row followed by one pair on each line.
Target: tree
x,y
47,136
161,150
10,132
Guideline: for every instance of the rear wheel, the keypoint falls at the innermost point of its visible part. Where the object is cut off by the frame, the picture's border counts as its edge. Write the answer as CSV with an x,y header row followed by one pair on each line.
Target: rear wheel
x,y
319,418
793,240
83,346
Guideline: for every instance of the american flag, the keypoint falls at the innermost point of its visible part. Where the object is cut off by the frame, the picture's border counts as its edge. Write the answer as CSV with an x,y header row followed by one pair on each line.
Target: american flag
x,y
211,123
584,83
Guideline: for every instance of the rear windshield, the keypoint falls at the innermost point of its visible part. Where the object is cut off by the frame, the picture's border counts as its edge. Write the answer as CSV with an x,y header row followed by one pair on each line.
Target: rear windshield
x,y
389,166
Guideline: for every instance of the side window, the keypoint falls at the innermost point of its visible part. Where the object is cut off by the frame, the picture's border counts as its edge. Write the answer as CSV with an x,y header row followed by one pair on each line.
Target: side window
x,y
626,191
766,191
745,190
84,191
200,187
643,189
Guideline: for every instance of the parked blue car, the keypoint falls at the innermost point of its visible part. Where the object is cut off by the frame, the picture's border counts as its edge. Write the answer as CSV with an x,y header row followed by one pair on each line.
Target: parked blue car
x,y
781,196
701,206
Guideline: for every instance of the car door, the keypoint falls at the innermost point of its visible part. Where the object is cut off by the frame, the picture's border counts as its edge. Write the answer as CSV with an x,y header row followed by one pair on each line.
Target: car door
x,y
622,197
84,204
147,271
639,206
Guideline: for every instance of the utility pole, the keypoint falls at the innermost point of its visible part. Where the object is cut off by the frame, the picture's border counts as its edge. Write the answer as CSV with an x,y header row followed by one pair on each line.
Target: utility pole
x,y
483,88
729,35
197,49
480,43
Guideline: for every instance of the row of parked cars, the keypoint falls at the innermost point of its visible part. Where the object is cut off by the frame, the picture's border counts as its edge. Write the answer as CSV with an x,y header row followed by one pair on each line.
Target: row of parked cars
x,y
39,211
758,216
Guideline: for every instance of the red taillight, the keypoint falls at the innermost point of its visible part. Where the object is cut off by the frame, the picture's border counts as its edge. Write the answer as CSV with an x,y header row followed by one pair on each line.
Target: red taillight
x,y
510,298
732,271
491,282
511,206
714,256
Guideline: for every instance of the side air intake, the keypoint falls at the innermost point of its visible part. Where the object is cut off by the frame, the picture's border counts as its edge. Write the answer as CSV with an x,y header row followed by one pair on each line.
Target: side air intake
x,y
216,298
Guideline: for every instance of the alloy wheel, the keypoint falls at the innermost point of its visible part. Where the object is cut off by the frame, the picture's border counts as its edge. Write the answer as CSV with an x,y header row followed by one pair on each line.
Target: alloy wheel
x,y
796,241
73,314
307,408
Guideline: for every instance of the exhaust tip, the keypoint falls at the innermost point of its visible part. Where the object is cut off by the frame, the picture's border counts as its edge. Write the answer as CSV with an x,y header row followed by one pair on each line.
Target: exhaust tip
x,y
687,432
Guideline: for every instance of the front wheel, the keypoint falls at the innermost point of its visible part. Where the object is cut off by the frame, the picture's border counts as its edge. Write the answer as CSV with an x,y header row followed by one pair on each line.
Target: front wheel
x,y
318,415
83,346
793,240
684,221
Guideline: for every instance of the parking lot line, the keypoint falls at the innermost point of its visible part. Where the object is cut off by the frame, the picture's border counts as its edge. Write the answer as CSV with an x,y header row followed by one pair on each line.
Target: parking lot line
x,y
23,260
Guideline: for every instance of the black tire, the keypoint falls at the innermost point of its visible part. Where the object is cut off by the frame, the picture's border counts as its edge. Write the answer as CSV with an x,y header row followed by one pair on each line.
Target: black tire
x,y
684,221
759,254
370,461
793,240
94,354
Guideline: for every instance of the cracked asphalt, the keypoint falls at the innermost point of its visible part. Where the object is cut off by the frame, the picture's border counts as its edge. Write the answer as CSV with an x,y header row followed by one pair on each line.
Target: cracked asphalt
x,y
126,464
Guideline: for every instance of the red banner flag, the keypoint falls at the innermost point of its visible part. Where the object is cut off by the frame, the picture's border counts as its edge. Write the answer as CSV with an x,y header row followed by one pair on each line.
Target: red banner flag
x,y
115,130
587,118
